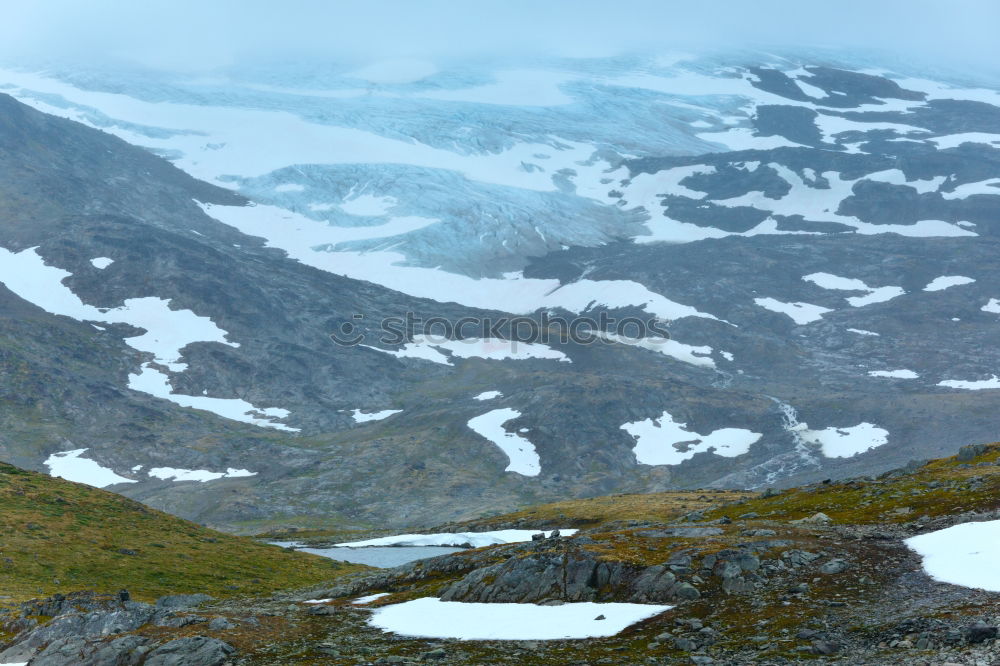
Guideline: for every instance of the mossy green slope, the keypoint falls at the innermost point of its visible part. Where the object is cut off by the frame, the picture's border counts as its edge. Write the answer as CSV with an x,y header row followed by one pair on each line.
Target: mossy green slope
x,y
57,536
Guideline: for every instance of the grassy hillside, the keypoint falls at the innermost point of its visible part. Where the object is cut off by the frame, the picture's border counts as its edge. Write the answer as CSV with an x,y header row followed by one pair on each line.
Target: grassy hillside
x,y
57,536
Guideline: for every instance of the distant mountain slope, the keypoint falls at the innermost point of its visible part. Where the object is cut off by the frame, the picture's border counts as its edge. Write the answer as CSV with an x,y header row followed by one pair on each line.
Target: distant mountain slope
x,y
821,236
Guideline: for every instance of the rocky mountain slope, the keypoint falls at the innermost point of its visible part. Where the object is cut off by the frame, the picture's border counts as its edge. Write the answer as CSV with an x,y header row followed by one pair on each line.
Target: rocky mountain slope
x,y
817,231
823,573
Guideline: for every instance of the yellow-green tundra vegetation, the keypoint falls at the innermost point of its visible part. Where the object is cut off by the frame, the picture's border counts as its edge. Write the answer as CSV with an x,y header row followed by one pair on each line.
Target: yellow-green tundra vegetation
x,y
81,532
57,536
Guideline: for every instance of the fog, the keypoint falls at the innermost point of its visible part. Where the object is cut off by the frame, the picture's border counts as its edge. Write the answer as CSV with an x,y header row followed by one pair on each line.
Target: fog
x,y
187,35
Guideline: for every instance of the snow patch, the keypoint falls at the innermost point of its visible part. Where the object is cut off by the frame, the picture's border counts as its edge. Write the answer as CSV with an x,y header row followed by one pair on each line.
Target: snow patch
x,y
100,263
488,395
369,598
991,186
894,374
202,475
523,457
156,383
70,466
361,417
699,355
993,306
955,140
432,618
965,554
874,295
976,385
946,281
167,331
844,442
662,441
801,313
431,348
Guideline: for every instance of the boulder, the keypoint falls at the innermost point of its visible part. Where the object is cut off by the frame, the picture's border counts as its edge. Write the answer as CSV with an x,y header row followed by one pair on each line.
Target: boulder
x,y
181,601
191,651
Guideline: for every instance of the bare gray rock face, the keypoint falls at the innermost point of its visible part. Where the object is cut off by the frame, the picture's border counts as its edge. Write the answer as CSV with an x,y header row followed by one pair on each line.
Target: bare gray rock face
x,y
191,651
78,633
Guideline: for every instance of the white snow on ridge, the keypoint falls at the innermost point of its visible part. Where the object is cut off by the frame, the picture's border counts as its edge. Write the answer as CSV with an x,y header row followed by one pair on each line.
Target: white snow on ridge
x,y
874,295
100,263
432,618
156,383
955,140
991,186
70,466
992,306
813,203
964,554
938,90
743,138
217,141
312,243
829,126
524,459
861,331
700,355
167,331
455,539
844,442
662,441
361,417
432,348
801,313
367,599
946,281
977,385
646,189
894,374
202,475
488,395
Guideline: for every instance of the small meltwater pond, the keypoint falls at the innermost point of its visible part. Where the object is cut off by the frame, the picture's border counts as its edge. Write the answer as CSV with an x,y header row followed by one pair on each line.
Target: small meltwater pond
x,y
429,617
393,551
384,557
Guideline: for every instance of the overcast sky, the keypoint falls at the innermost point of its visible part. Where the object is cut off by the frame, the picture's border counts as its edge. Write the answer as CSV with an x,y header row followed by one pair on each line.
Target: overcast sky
x,y
184,34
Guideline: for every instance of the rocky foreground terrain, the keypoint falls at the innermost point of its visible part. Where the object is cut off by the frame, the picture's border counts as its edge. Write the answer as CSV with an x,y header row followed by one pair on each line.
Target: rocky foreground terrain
x,y
815,574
